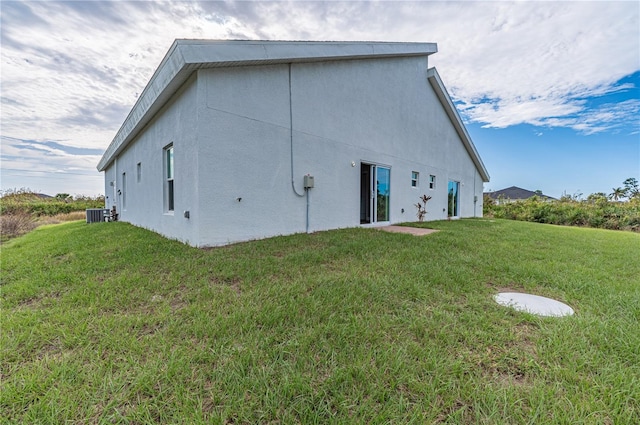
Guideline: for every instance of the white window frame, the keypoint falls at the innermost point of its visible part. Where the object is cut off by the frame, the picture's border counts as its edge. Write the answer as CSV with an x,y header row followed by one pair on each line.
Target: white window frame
x,y
124,191
168,177
415,179
432,181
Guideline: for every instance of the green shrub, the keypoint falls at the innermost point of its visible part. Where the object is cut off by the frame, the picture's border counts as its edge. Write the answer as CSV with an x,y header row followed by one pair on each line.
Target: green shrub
x,y
21,210
598,213
24,201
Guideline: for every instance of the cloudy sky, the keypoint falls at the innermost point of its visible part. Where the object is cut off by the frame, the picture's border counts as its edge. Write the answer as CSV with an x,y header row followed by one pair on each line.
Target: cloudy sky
x,y
549,91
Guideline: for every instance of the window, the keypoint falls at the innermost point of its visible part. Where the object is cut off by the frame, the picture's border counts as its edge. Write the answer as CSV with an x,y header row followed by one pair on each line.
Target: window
x,y
432,181
139,171
453,199
124,191
414,178
168,192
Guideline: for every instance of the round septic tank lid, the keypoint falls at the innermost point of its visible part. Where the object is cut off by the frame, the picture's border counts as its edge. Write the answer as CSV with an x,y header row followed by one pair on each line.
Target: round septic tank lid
x,y
533,304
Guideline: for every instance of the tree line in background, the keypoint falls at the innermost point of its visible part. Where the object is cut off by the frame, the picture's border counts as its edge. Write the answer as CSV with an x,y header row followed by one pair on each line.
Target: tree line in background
x,y
22,210
618,210
630,190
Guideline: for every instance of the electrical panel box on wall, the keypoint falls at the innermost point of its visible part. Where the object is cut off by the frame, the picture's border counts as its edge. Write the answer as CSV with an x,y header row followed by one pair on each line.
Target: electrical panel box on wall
x,y
308,181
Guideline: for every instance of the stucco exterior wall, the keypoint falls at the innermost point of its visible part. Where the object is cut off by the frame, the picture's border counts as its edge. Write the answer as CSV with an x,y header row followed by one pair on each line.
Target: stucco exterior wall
x,y
244,181
343,112
142,201
235,131
382,112
451,162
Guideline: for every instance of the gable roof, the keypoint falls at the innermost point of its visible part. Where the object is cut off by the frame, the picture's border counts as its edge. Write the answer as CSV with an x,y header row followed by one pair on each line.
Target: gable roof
x,y
186,56
454,116
515,193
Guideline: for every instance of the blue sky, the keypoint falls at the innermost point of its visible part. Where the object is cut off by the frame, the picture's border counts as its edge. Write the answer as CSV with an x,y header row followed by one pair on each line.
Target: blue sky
x,y
549,91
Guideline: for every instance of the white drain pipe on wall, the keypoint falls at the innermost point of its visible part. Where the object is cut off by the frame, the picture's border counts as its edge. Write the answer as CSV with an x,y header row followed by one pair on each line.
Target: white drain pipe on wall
x,y
293,185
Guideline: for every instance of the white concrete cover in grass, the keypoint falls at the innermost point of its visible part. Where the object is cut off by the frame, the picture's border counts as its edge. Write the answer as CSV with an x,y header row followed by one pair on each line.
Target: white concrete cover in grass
x,y
534,304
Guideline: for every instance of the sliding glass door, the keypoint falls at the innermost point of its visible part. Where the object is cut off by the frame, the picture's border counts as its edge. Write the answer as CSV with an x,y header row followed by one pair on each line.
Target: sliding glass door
x,y
375,193
383,186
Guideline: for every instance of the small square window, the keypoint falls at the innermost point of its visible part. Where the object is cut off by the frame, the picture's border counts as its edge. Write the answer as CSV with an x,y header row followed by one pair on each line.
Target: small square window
x,y
432,181
414,178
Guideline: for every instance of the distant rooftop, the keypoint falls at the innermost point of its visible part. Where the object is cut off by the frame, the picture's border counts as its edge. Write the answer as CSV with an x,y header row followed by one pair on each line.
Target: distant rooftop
x,y
515,193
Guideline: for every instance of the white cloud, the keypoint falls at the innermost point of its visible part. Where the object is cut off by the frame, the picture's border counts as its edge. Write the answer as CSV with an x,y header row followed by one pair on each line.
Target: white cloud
x,y
45,167
71,71
36,156
78,72
75,76
607,117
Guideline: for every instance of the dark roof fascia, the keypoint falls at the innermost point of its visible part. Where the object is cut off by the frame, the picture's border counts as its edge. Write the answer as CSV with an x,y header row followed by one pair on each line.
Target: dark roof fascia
x,y
186,56
454,116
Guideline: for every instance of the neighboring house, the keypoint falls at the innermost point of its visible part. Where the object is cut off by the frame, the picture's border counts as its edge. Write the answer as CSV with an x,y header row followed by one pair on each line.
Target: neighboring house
x,y
238,140
513,194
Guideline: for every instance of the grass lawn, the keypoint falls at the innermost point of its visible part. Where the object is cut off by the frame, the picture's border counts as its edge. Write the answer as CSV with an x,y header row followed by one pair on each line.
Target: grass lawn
x,y
108,323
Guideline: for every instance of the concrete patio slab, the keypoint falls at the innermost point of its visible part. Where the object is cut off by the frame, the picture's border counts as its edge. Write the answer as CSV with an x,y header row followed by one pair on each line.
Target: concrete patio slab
x,y
534,304
408,230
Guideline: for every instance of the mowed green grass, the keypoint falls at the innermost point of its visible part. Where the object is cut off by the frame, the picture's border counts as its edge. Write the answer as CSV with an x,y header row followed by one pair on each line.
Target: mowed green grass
x,y
108,323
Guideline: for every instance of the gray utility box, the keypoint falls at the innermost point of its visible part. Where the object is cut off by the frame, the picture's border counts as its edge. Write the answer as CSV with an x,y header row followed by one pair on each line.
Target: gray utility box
x,y
308,181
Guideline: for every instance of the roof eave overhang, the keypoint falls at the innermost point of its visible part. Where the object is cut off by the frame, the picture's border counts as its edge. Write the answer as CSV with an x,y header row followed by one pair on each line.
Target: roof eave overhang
x,y
454,116
186,56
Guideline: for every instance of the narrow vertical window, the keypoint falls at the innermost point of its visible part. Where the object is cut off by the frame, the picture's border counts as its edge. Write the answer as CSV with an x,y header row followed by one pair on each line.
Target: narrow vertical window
x,y
168,154
139,171
414,178
453,199
432,181
124,191
383,187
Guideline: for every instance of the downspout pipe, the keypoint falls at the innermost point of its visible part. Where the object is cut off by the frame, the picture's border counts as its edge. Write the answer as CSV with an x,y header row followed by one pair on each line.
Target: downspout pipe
x,y
115,183
307,225
293,184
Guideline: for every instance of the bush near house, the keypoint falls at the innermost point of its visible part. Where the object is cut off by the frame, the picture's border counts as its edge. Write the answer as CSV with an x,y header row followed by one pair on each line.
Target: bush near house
x,y
597,212
22,210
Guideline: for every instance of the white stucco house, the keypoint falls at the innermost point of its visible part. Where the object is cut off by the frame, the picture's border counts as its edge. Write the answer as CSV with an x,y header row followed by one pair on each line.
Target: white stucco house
x,y
238,140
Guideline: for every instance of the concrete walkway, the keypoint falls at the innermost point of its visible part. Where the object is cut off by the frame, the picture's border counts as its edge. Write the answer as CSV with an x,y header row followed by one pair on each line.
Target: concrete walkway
x,y
409,230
